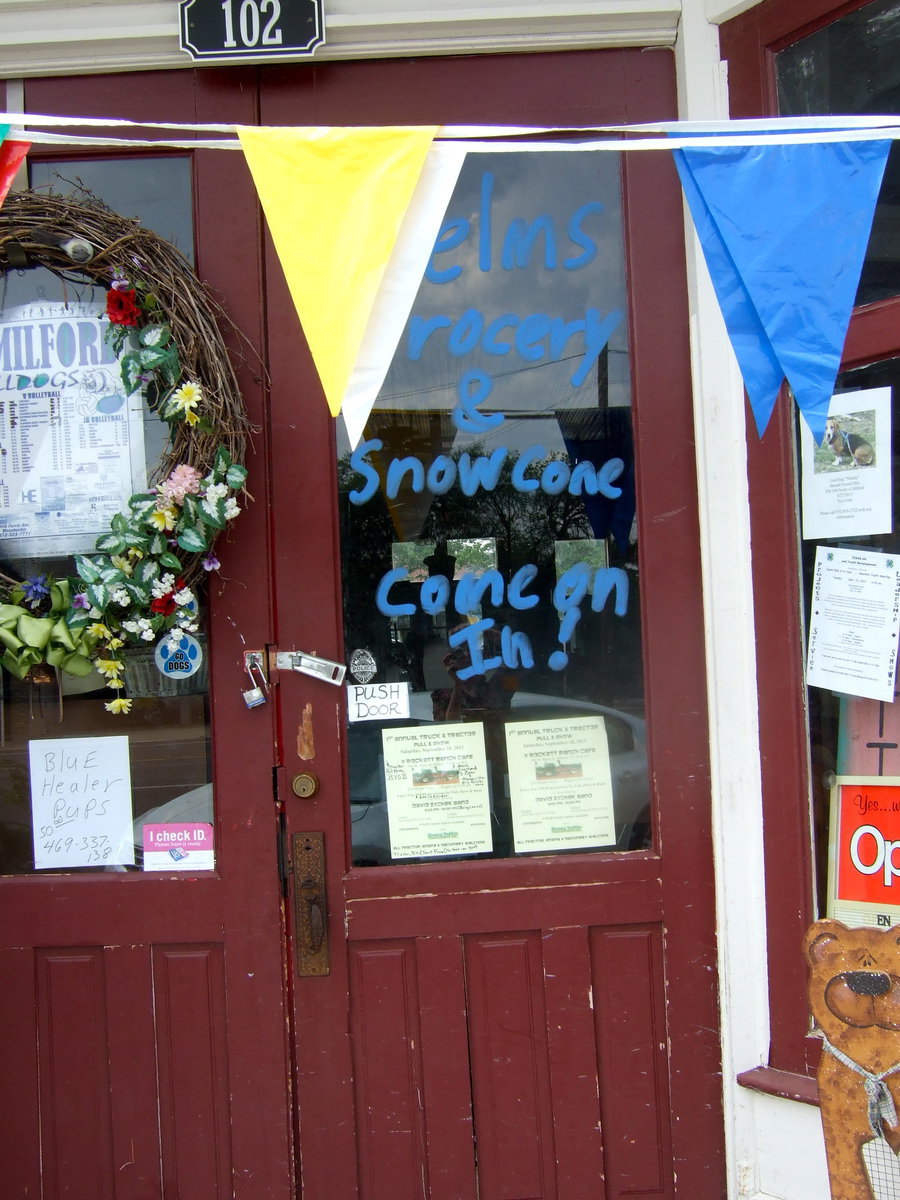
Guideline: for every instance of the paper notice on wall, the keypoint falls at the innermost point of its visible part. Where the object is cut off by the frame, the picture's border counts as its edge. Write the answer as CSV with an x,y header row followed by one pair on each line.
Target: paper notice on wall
x,y
854,622
560,784
846,479
437,791
71,442
81,808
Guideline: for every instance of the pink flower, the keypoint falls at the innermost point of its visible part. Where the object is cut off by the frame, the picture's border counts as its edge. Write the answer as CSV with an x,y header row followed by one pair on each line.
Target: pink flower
x,y
184,480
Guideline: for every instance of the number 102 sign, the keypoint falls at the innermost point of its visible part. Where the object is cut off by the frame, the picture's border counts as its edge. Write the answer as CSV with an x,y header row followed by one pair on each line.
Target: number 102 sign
x,y
225,30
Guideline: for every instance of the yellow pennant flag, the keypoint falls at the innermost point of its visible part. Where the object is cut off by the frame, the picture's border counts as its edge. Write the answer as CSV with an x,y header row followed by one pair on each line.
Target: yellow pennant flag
x,y
334,200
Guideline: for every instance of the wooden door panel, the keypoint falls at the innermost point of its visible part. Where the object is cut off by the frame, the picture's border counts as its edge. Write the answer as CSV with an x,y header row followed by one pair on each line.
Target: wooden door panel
x,y
128,1056
510,1067
629,1015
497,1048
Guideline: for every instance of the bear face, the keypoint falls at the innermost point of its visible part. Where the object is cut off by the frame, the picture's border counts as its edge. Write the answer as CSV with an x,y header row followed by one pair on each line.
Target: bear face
x,y
854,989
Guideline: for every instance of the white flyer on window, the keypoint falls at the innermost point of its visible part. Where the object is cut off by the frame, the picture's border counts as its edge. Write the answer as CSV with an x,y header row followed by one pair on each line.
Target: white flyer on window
x,y
560,784
854,622
437,790
71,442
81,808
846,479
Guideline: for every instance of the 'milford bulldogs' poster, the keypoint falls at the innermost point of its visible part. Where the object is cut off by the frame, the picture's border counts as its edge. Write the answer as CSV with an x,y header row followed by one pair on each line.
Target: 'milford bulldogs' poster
x,y
71,442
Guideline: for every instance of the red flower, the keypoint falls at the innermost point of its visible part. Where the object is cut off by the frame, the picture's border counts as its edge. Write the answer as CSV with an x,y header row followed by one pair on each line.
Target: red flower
x,y
122,306
166,604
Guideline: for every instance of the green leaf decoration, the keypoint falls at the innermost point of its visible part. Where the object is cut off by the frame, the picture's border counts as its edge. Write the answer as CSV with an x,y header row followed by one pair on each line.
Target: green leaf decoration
x,y
10,613
222,461
156,335
132,370
12,664
147,570
98,594
213,514
86,568
77,664
236,476
192,540
171,561
112,575
35,631
9,639
112,543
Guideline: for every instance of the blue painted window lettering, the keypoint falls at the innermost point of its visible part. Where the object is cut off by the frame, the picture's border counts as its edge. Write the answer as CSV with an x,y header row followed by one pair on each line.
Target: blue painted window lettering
x,y
485,354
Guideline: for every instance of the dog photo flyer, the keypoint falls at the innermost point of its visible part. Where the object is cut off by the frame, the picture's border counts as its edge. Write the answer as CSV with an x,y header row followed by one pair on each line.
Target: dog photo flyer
x,y
854,623
846,479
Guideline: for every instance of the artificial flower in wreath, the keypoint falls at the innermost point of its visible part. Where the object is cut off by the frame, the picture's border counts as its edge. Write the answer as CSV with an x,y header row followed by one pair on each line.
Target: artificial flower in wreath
x,y
142,583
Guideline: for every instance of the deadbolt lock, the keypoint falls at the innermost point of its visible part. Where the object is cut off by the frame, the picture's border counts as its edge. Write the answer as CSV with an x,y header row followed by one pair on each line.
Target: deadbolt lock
x,y
305,785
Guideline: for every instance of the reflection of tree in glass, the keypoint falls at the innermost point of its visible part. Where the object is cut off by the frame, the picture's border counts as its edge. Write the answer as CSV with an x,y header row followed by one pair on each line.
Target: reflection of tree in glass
x,y
584,550
475,555
412,556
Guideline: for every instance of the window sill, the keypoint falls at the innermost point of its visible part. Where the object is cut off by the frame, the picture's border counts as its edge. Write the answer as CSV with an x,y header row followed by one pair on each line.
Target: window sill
x,y
786,1084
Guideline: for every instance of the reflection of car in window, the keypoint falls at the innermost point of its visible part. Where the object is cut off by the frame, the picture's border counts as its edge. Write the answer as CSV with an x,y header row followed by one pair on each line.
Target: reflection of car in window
x,y
626,740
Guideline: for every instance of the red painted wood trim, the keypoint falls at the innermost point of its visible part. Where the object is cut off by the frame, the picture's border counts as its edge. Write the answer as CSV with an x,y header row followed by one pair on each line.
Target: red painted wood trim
x,y
786,1084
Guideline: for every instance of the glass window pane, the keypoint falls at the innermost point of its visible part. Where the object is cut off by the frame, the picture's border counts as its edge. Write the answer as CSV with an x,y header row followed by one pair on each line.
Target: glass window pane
x,y
74,448
852,67
852,735
488,536
155,191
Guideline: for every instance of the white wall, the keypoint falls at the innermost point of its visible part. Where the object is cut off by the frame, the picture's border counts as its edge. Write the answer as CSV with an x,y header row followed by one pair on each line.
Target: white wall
x,y
775,1147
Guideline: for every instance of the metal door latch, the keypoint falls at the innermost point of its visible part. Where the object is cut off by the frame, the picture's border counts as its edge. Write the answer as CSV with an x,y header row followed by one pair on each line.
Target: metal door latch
x,y
310,664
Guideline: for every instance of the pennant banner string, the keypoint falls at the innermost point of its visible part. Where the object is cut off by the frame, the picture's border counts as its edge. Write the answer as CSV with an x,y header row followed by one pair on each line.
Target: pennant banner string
x,y
771,131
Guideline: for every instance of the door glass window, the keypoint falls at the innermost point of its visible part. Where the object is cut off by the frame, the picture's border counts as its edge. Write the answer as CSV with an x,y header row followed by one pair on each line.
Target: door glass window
x,y
78,784
854,737
489,537
852,67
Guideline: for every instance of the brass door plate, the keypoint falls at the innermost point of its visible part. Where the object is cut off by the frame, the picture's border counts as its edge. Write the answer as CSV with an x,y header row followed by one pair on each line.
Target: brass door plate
x,y
310,908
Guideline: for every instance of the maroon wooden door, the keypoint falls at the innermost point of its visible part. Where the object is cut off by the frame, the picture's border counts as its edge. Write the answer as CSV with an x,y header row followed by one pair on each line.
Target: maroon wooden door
x,y
502,1026
144,1015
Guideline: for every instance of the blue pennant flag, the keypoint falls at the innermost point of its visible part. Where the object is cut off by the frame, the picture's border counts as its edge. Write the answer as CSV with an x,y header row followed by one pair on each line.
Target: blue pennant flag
x,y
784,230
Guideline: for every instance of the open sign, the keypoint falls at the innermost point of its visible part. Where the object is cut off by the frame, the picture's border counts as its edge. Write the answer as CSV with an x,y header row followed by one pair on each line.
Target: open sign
x,y
864,845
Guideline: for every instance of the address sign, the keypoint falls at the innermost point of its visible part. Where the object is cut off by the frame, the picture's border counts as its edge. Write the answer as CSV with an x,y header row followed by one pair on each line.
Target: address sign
x,y
225,30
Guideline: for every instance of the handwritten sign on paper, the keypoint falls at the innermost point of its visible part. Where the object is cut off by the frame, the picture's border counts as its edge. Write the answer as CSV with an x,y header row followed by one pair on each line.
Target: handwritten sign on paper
x,y
81,809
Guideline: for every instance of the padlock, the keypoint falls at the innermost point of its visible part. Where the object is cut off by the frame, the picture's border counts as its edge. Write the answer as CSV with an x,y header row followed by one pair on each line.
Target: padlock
x,y
256,695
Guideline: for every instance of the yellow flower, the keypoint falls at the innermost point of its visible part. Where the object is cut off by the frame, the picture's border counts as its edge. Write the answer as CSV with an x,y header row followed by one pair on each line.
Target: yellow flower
x,y
163,518
115,682
190,416
187,397
122,563
98,631
108,666
119,705
114,643
134,553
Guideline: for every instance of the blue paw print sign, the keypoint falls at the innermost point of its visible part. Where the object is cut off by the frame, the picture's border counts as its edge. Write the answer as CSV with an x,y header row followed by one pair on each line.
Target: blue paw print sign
x,y
179,660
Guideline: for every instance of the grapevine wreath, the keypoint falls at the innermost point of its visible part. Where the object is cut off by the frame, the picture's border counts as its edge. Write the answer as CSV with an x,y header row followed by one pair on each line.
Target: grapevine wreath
x,y
139,586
